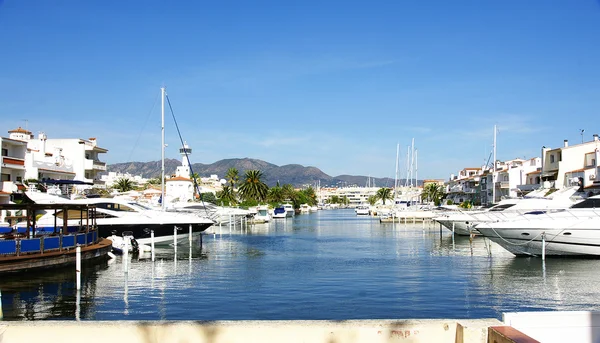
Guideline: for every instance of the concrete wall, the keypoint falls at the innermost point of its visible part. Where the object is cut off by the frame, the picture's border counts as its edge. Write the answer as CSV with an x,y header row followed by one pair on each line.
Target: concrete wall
x,y
372,331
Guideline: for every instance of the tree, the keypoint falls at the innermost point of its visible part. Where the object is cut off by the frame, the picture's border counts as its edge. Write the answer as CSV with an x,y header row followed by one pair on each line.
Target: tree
x,y
275,194
334,199
372,200
289,193
227,196
311,196
124,185
253,188
433,192
345,201
232,177
384,194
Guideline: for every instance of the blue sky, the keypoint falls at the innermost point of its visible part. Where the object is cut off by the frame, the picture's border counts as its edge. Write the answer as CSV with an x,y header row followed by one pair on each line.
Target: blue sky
x,y
330,84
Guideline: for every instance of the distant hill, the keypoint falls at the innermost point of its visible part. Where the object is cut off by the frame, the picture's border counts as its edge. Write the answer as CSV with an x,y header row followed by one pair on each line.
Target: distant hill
x,y
294,174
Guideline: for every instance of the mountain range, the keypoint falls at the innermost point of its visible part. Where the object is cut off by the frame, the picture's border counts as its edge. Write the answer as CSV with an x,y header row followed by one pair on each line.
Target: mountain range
x,y
294,174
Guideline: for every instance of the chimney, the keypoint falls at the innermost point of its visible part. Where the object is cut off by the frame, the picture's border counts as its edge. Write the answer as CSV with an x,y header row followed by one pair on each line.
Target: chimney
x,y
566,143
595,137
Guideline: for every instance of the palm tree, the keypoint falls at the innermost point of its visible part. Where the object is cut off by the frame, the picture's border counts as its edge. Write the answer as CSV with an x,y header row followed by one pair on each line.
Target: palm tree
x,y
124,185
372,200
253,188
227,195
433,192
289,193
275,194
384,194
310,195
232,177
334,199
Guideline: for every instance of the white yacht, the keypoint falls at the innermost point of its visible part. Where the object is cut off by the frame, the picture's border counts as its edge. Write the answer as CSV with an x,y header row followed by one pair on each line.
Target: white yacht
x,y
304,208
116,216
462,222
572,231
262,214
362,210
289,210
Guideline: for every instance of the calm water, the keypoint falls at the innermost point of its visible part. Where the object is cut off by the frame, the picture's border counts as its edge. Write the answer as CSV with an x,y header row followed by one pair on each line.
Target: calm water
x,y
324,265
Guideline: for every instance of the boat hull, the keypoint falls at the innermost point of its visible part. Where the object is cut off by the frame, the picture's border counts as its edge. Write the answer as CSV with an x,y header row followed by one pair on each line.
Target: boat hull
x,y
142,232
560,236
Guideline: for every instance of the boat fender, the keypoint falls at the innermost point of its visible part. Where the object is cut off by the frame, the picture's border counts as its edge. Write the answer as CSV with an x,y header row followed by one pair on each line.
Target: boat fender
x,y
135,246
111,255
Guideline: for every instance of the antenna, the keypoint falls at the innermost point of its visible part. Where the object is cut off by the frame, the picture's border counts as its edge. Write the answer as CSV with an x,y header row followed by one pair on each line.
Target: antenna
x,y
581,133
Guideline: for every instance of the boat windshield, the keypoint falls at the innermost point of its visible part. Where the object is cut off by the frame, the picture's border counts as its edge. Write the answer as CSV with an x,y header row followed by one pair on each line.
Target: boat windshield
x,y
501,207
139,206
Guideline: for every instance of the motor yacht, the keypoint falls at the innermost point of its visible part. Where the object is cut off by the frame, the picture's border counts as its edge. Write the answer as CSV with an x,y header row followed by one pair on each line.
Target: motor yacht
x,y
572,231
462,222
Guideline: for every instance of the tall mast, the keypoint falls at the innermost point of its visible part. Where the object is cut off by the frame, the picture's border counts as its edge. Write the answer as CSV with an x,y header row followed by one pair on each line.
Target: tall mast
x,y
416,168
396,176
407,166
412,161
494,169
162,148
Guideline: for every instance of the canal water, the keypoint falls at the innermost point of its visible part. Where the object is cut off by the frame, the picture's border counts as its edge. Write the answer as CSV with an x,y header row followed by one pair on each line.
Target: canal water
x,y
323,265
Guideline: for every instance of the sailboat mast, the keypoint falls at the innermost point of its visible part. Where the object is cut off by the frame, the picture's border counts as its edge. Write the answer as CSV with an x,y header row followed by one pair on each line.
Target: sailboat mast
x,y
162,148
396,175
412,161
416,167
494,170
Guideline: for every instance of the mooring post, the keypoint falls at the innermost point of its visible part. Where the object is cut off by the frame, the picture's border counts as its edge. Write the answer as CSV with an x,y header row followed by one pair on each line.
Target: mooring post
x,y
125,254
175,236
190,238
78,266
543,246
152,243
453,228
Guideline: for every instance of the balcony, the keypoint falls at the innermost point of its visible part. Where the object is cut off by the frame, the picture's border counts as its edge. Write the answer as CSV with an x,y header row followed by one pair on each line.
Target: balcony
x,y
502,184
13,162
94,165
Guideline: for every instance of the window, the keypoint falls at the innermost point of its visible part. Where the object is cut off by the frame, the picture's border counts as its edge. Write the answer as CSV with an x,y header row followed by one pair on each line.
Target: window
x,y
4,152
552,158
5,177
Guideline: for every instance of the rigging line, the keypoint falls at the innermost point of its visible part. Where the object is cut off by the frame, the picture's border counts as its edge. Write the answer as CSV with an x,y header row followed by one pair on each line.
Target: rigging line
x,y
186,155
137,140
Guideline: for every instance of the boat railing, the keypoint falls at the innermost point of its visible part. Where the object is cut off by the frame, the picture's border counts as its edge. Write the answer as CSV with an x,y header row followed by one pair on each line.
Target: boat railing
x,y
20,239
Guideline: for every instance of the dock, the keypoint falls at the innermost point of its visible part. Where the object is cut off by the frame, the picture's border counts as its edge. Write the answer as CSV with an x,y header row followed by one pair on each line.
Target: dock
x,y
25,246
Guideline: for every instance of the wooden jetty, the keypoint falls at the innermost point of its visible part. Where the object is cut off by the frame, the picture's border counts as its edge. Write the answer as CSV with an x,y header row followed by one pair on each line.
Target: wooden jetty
x,y
25,246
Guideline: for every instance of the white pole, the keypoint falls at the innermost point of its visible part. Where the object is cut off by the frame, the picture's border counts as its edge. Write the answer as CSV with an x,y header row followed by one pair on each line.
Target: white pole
x,y
162,149
175,236
78,266
494,170
77,306
543,246
152,243
190,238
125,254
396,177
452,228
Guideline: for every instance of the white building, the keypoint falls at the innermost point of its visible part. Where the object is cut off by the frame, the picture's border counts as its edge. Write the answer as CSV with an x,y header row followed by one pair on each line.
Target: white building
x,y
571,164
12,166
84,155
113,177
181,187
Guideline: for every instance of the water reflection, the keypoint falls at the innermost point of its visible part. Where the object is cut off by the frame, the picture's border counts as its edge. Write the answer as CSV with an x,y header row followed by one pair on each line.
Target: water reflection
x,y
324,265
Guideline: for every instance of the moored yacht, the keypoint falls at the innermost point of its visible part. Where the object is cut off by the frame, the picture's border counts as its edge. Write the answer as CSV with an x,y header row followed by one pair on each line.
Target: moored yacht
x,y
572,231
116,216
462,222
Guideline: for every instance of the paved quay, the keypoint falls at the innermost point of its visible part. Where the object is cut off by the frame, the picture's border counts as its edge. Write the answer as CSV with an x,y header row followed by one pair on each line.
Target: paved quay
x,y
373,331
